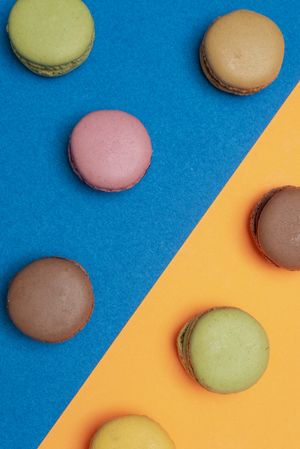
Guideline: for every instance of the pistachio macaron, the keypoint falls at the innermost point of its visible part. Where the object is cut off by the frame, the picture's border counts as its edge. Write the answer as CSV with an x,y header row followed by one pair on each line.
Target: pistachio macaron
x,y
275,226
131,432
51,37
224,349
242,52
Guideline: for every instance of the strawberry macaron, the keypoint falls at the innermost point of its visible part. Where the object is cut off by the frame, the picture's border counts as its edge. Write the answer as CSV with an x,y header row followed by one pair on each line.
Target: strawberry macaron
x,y
110,150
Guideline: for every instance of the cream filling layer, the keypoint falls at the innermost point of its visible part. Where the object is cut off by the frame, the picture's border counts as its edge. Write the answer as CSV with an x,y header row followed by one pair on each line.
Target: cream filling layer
x,y
55,70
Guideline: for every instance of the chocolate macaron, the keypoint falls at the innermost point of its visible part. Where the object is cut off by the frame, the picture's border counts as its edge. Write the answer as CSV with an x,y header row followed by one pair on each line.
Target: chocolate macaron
x,y
275,226
224,349
51,299
242,52
110,150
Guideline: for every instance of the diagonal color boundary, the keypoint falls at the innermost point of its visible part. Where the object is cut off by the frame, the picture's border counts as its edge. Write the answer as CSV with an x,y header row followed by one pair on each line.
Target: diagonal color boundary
x,y
217,265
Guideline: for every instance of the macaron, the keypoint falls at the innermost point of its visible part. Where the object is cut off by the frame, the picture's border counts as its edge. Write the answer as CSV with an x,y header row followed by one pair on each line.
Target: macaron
x,y
131,432
224,349
242,52
110,150
51,299
275,227
51,37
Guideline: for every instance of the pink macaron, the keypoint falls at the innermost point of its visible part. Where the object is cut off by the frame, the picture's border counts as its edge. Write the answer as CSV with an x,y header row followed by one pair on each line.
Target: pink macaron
x,y
110,150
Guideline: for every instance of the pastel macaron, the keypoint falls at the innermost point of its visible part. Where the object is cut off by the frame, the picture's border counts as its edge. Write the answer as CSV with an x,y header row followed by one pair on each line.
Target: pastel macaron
x,y
225,350
131,432
242,52
51,37
275,226
51,299
110,150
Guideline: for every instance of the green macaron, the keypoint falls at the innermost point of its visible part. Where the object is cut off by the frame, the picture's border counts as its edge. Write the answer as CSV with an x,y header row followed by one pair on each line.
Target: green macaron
x,y
51,37
224,349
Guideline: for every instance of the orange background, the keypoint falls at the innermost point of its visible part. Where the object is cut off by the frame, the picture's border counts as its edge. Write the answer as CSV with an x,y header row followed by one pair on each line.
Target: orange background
x,y
218,265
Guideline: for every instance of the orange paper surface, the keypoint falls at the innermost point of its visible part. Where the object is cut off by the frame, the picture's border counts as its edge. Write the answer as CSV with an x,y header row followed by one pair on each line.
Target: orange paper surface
x,y
218,265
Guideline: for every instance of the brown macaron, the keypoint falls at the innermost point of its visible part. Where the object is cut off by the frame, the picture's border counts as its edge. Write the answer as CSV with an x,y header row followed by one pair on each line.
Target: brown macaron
x,y
275,226
51,299
242,52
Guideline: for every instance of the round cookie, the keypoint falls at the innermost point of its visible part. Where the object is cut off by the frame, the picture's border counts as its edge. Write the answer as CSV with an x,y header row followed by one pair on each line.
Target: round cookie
x,y
51,299
51,37
131,432
242,52
275,227
224,349
110,150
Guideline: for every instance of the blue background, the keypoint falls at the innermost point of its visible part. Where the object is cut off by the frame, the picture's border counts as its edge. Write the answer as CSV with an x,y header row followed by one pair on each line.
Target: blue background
x,y
144,62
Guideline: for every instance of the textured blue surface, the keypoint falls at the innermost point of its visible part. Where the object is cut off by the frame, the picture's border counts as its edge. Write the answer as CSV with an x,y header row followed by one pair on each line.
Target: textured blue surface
x,y
144,62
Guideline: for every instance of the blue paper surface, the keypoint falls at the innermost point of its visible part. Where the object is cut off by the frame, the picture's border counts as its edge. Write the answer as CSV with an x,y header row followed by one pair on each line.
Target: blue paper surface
x,y
145,61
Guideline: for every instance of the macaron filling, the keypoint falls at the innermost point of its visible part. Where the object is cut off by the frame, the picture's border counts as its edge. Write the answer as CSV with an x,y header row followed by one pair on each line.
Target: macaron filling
x,y
255,215
55,70
183,345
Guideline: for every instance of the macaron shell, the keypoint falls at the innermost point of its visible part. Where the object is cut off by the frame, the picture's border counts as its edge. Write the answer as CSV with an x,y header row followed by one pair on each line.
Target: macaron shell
x,y
132,432
51,299
229,350
244,49
278,228
50,32
58,70
256,211
110,150
218,83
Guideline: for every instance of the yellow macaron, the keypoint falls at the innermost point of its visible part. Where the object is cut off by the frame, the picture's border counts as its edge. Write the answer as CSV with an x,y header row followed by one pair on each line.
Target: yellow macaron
x,y
131,432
